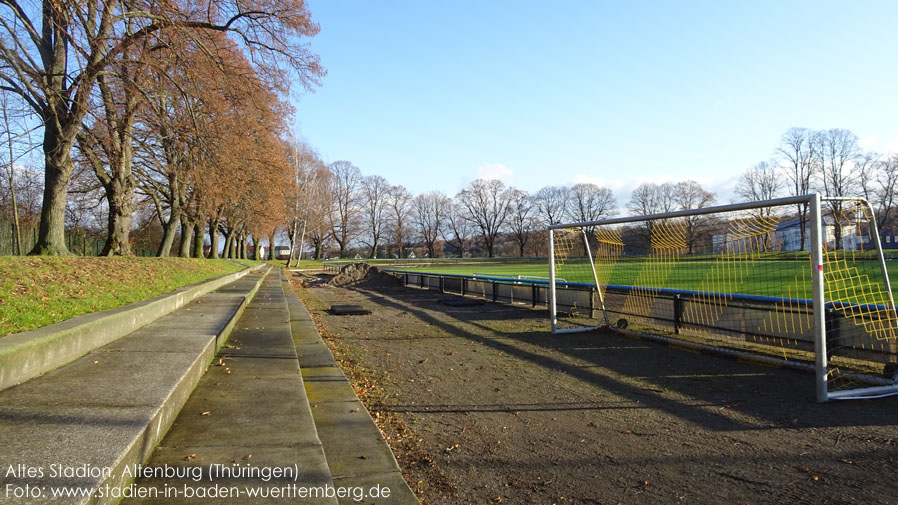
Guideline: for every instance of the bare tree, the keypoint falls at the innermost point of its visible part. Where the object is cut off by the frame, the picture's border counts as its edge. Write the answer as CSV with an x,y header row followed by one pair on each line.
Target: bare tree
x,y
760,182
837,149
375,193
885,193
552,204
457,231
487,203
866,169
521,218
590,202
667,197
644,200
430,216
797,155
691,195
18,144
308,170
399,209
345,183
650,198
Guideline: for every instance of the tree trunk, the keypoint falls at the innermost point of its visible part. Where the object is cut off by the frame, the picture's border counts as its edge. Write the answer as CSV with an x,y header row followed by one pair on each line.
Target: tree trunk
x,y
119,197
229,244
17,230
317,252
174,218
17,234
292,243
168,234
243,241
271,246
186,237
198,239
213,239
302,238
58,168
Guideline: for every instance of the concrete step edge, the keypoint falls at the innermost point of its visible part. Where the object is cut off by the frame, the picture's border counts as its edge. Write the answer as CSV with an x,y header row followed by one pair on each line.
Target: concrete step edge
x,y
403,491
142,446
29,354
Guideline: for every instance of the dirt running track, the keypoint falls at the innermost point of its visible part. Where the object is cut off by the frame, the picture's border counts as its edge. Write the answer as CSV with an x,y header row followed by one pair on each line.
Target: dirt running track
x,y
483,405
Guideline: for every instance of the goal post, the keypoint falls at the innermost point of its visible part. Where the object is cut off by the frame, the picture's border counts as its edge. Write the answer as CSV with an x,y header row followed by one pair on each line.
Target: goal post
x,y
799,281
568,244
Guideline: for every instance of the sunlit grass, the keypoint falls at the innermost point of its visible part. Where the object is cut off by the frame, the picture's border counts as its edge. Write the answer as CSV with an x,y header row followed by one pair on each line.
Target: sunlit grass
x,y
37,291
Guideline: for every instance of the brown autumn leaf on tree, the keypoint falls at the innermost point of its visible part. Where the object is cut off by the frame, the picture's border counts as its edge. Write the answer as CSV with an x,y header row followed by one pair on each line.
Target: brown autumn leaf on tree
x,y
55,53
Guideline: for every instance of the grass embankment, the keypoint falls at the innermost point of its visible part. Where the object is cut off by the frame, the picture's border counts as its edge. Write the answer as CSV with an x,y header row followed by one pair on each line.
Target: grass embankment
x,y
35,291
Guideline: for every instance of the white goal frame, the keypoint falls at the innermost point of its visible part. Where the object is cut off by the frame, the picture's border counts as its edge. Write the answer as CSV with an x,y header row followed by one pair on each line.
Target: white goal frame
x,y
815,226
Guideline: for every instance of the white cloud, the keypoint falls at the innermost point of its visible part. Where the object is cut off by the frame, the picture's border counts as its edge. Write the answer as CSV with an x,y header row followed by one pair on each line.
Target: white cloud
x,y
890,147
868,142
495,171
615,185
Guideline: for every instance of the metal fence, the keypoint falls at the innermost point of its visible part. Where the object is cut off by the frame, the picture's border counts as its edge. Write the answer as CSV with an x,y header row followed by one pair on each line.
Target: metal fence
x,y
80,244
421,262
496,289
578,301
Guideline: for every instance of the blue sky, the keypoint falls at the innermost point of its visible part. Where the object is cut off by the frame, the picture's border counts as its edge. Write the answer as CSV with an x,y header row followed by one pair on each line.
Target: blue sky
x,y
432,95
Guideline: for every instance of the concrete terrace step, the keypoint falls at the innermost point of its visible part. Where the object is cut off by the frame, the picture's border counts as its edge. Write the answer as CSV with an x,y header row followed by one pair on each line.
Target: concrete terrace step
x,y
29,354
357,454
252,412
77,427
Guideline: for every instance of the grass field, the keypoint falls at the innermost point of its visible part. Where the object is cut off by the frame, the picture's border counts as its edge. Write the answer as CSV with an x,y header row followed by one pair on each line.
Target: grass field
x,y
37,291
762,278
303,264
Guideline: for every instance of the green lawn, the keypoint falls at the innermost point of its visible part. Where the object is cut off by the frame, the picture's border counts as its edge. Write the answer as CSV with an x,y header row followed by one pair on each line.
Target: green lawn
x,y
303,264
790,278
37,291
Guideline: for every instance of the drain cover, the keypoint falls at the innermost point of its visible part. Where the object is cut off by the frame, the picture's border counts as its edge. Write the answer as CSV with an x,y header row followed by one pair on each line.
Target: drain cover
x,y
348,310
461,302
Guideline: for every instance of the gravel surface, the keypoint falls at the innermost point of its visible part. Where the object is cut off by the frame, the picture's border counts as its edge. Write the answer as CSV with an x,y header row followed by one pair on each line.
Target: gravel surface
x,y
484,405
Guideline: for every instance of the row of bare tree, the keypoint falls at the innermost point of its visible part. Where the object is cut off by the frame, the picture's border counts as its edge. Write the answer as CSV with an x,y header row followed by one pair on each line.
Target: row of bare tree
x,y
830,162
174,103
337,206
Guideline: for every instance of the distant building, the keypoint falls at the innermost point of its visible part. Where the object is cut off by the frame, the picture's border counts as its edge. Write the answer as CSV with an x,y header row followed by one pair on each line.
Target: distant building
x,y
281,252
787,237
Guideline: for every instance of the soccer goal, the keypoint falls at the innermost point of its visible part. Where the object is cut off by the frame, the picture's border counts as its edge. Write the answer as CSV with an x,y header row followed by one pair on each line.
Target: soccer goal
x,y
799,281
